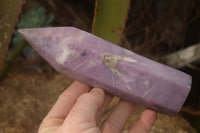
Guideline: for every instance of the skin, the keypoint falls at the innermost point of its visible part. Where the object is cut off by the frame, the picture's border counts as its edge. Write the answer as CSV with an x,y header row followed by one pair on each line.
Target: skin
x,y
80,108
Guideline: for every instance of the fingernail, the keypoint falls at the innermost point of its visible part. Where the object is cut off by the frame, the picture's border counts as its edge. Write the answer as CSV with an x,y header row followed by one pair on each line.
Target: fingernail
x,y
97,91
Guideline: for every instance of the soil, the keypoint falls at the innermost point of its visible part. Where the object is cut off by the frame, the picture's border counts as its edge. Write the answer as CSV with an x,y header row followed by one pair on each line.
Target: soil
x,y
28,92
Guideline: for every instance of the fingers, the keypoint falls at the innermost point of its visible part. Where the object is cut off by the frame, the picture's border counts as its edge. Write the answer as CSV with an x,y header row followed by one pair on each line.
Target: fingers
x,y
84,112
107,101
78,106
117,120
145,122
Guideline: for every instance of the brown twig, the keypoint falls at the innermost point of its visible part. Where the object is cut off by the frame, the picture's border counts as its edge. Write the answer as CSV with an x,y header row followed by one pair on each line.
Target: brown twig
x,y
190,111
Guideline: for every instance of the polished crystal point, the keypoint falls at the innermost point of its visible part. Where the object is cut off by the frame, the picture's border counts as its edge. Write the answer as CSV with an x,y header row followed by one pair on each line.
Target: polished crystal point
x,y
99,63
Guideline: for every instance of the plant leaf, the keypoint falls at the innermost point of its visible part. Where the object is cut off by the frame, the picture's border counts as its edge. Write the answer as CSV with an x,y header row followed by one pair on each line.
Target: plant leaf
x,y
109,19
9,13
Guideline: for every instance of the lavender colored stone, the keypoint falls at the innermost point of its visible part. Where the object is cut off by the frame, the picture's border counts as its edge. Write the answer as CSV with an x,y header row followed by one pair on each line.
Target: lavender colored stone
x,y
101,64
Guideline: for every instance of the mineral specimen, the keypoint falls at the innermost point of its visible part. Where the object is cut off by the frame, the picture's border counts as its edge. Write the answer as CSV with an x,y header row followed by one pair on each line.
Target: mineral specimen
x,y
116,70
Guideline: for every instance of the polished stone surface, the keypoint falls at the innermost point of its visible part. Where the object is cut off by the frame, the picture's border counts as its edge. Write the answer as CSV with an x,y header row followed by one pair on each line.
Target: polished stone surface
x,y
101,64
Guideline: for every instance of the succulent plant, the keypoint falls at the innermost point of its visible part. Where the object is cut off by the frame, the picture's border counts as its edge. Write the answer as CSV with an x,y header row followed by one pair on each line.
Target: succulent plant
x,y
35,17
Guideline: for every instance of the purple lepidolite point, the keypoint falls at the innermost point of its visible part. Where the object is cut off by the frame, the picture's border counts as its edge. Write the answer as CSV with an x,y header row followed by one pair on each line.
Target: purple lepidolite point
x,y
99,63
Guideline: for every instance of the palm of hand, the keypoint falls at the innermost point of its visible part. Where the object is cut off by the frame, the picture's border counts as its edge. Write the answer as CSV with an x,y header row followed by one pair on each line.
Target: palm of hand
x,y
79,110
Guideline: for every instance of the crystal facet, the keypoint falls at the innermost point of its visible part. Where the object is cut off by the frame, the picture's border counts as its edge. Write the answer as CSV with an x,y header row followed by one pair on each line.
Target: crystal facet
x,y
99,63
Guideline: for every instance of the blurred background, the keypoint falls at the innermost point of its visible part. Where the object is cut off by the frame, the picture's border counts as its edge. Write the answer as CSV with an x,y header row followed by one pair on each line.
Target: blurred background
x,y
167,31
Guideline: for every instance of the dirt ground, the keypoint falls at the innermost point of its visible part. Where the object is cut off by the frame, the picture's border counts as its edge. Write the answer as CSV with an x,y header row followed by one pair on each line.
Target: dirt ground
x,y
28,92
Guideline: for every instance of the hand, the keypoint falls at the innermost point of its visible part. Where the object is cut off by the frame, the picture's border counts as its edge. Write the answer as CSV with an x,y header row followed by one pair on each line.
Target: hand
x,y
80,108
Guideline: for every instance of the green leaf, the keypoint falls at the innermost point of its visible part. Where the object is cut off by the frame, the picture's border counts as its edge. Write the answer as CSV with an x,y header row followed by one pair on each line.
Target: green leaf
x,y
9,13
109,20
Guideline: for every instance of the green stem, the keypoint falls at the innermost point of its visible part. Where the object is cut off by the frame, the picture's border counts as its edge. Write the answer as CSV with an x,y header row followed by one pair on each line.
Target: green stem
x,y
110,18
10,59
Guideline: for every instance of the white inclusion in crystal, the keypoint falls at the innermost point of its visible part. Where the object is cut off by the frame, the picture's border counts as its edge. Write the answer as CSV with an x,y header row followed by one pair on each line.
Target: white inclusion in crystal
x,y
81,36
81,64
67,39
146,82
38,42
127,86
128,59
92,63
62,57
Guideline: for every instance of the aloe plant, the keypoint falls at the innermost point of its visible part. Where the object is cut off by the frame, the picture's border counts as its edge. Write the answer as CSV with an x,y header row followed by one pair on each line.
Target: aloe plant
x,y
33,18
9,13
110,18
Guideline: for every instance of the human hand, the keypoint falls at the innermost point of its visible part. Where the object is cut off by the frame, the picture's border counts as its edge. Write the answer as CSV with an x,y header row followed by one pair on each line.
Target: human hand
x,y
80,108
